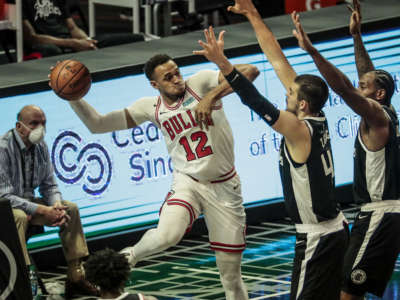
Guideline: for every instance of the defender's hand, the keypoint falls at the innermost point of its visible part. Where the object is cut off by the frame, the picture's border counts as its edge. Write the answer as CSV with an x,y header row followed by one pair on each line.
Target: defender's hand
x,y
355,18
213,49
301,36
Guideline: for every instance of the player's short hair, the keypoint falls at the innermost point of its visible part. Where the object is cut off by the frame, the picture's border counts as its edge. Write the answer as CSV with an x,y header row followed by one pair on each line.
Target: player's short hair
x,y
153,63
383,80
312,89
107,269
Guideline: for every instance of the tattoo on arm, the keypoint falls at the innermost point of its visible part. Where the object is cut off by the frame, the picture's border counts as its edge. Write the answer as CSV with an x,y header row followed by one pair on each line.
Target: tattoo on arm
x,y
363,60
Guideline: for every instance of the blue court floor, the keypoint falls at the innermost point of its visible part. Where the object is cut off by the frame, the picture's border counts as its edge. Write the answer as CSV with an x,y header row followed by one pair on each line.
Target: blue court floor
x,y
188,270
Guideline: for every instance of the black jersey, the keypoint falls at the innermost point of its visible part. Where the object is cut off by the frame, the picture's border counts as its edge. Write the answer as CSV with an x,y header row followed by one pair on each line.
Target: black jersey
x,y
377,173
308,188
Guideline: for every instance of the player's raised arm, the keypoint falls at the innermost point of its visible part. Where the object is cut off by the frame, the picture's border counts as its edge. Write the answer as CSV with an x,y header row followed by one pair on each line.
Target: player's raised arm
x,y
367,108
97,123
284,122
363,61
204,108
267,41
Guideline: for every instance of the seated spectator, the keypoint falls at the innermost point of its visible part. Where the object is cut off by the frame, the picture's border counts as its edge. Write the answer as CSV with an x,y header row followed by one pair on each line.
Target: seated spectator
x,y
109,270
25,166
50,30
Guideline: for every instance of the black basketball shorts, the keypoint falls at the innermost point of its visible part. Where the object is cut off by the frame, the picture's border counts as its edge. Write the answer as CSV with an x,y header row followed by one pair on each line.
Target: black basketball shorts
x,y
373,250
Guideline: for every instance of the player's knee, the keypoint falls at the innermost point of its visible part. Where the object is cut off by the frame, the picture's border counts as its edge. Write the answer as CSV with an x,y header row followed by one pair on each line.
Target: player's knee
x,y
231,280
229,269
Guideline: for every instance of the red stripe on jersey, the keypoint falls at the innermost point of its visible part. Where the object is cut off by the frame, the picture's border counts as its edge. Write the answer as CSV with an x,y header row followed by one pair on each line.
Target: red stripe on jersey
x,y
193,178
227,250
217,244
193,94
227,247
218,180
226,174
157,110
179,102
225,179
187,205
197,97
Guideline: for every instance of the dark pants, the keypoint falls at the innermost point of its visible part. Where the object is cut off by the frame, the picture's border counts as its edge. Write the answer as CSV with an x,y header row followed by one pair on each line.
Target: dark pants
x,y
104,40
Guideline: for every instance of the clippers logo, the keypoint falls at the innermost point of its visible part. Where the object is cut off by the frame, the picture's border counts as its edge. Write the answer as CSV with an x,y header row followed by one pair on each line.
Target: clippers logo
x,y
72,161
358,276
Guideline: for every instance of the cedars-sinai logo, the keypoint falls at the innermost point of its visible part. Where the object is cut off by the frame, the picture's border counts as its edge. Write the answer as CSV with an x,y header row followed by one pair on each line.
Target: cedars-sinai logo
x,y
76,162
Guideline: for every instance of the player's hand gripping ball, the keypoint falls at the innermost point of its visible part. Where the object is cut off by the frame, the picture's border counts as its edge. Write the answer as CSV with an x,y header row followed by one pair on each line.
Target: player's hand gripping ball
x,y
70,80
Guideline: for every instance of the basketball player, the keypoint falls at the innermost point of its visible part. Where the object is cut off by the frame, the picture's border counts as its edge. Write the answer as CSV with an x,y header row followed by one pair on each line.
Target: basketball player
x,y
110,270
306,164
204,178
375,237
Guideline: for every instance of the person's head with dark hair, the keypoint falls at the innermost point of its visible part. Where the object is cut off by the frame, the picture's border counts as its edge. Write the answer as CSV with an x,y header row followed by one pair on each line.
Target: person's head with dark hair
x,y
308,88
383,80
378,85
164,75
154,62
108,270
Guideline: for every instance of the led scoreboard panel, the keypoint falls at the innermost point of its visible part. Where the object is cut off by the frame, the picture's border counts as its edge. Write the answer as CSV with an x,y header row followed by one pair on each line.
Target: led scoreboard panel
x,y
120,179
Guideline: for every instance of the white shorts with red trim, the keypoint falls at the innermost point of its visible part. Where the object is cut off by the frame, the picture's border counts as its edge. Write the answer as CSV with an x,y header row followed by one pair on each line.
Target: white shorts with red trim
x,y
221,204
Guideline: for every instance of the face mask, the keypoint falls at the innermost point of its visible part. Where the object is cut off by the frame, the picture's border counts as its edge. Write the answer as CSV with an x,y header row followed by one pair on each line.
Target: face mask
x,y
36,135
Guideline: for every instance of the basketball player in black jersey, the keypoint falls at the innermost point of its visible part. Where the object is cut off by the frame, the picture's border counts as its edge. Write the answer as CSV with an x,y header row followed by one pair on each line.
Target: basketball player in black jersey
x,y
375,237
306,163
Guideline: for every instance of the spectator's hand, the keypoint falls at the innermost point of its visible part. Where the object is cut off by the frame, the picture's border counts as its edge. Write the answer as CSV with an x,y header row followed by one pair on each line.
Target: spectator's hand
x,y
300,35
243,7
51,214
63,221
355,18
213,49
83,44
65,218
203,112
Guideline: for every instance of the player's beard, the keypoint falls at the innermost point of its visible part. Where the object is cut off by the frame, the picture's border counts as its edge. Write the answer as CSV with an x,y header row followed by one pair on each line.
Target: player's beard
x,y
292,110
174,97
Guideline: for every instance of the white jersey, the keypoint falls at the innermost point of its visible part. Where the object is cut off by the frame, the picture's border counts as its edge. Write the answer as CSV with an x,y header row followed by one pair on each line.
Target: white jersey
x,y
206,155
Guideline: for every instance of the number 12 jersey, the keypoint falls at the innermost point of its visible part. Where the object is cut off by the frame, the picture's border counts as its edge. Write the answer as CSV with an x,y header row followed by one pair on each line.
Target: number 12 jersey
x,y
205,155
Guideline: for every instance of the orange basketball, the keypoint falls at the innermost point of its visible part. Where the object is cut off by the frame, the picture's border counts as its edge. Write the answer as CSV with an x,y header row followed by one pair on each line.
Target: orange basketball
x,y
70,79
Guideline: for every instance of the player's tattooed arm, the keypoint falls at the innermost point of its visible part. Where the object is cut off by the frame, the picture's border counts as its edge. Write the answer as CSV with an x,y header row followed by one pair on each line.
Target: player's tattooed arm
x,y
367,108
268,42
363,60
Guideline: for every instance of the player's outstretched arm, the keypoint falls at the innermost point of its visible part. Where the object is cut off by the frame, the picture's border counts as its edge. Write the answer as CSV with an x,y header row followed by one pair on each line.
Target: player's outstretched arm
x,y
363,60
204,108
368,109
282,121
267,41
97,123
